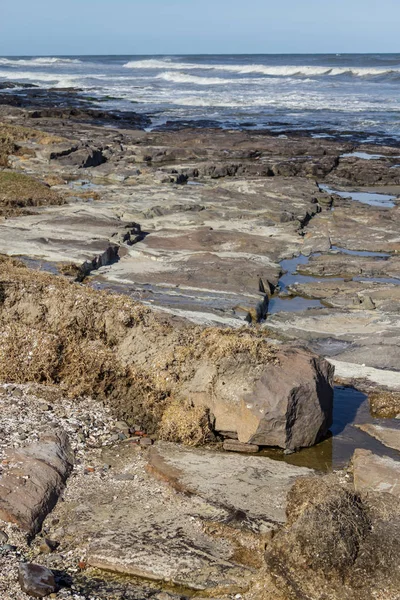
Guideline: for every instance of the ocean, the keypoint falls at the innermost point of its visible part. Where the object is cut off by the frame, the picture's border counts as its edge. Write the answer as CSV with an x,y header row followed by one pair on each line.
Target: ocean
x,y
324,94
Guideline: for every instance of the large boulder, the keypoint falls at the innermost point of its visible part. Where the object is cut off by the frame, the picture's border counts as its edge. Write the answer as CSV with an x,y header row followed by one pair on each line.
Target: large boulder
x,y
36,476
287,402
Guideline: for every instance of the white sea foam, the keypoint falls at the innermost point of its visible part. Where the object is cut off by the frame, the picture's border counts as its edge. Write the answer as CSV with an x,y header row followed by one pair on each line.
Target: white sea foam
x,y
39,62
177,77
273,71
53,79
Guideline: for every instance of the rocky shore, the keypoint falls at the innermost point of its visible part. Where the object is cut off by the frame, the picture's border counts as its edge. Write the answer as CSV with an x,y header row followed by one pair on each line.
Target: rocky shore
x,y
176,309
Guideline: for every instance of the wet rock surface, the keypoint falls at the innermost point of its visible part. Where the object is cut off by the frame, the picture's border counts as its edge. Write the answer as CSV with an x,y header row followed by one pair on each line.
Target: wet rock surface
x,y
387,435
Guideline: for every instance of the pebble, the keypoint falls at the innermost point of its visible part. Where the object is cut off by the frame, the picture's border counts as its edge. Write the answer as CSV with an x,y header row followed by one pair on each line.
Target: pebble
x,y
3,537
48,546
145,441
8,548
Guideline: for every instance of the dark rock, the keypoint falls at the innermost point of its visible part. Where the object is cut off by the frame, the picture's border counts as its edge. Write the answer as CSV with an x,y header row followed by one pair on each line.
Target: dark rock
x,y
82,158
36,581
48,546
3,537
181,179
10,85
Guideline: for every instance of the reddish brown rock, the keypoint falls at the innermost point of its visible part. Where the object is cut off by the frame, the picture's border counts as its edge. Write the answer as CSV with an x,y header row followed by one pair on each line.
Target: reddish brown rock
x,y
286,403
30,488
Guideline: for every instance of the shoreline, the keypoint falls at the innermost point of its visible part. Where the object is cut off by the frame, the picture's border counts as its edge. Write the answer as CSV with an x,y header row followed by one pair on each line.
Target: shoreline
x,y
214,226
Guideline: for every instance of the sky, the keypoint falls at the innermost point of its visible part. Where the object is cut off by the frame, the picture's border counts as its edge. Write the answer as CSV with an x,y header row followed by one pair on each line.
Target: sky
x,y
52,27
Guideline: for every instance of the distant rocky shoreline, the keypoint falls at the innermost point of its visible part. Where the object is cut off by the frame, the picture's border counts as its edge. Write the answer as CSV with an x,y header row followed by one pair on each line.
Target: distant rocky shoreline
x,y
173,302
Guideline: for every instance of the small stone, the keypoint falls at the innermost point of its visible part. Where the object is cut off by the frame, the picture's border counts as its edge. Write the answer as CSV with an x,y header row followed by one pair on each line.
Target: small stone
x,y
122,437
145,441
121,426
3,537
48,546
35,580
124,477
288,452
235,446
90,470
8,548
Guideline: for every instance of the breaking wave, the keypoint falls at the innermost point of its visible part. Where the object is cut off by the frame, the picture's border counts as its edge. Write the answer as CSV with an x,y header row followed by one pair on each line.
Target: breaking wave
x,y
272,71
177,77
39,62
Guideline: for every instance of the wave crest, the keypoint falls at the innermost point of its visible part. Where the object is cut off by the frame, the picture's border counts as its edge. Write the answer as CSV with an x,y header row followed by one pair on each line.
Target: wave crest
x,y
271,71
177,77
40,62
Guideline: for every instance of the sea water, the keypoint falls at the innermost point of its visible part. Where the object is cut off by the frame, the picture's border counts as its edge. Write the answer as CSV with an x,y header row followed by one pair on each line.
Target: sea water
x,y
344,93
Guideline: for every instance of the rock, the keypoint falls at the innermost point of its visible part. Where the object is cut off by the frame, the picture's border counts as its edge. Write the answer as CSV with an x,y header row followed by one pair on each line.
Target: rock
x,y
48,546
388,436
181,179
8,548
365,302
145,441
374,473
316,243
235,446
3,537
82,158
285,403
36,581
255,487
29,490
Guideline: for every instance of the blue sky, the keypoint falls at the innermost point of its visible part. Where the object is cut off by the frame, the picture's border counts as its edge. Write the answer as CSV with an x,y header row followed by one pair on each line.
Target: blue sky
x,y
49,27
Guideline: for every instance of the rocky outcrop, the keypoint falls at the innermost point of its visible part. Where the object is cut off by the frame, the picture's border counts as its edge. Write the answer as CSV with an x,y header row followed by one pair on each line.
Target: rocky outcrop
x,y
33,481
139,362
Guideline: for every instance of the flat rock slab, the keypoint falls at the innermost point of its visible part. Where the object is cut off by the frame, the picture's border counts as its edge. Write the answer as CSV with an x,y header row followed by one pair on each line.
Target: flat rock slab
x,y
140,528
253,487
386,435
30,487
170,548
374,473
